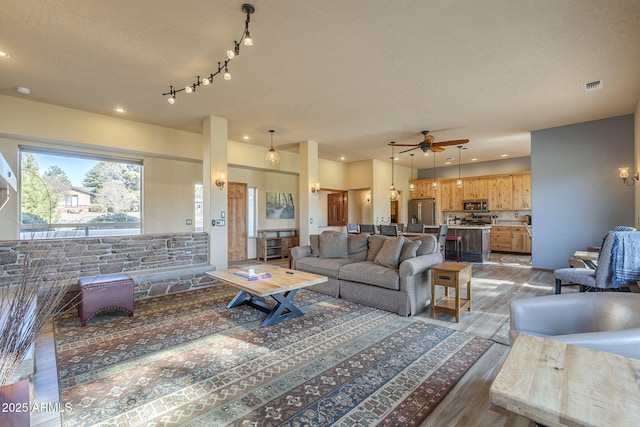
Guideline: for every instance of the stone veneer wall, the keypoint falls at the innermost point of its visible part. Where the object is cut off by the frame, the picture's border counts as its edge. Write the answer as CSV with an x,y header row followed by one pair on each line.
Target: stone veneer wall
x,y
159,263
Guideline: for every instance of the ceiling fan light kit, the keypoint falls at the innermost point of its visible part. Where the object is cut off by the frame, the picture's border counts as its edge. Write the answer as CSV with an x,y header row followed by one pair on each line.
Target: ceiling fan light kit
x,y
429,143
223,68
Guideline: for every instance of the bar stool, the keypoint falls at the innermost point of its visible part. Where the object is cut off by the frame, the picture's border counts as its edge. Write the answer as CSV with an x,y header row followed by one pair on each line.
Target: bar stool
x,y
458,246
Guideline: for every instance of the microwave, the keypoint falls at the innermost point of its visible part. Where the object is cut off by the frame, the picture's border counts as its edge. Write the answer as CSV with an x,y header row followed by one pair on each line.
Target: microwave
x,y
475,205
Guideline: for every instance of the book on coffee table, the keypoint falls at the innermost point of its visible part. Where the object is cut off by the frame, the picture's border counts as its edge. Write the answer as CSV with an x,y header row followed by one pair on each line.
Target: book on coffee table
x,y
252,275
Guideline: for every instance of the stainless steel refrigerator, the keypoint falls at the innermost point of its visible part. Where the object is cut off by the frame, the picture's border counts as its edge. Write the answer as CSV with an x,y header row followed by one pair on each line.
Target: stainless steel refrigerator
x,y
422,211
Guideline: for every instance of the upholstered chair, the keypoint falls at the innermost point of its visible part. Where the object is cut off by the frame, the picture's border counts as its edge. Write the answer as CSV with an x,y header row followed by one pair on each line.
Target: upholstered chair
x,y
606,321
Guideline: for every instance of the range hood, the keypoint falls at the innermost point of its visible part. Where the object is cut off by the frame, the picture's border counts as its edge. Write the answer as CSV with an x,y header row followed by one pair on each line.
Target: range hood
x,y
8,181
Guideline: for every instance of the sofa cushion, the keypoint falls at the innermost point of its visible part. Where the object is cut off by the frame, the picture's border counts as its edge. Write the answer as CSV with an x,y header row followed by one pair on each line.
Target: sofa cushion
x,y
389,253
357,246
371,274
324,267
409,249
314,243
333,244
375,243
429,244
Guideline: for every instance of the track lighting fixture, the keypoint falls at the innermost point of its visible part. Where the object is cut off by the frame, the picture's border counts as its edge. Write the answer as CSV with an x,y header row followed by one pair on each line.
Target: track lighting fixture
x,y
246,39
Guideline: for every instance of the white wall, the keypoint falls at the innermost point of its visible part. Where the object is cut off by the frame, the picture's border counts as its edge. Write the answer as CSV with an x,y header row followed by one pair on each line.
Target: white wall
x,y
577,195
169,176
636,120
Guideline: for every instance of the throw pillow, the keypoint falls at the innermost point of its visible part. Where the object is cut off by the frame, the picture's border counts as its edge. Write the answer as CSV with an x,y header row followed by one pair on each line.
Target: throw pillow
x,y
314,242
409,249
333,244
357,244
429,244
389,253
375,243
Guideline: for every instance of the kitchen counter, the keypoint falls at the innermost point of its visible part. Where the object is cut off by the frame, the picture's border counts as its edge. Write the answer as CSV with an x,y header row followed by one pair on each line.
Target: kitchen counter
x,y
476,241
467,227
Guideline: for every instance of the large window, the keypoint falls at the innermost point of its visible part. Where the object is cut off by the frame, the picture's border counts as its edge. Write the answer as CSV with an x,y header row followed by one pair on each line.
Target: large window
x,y
252,209
64,194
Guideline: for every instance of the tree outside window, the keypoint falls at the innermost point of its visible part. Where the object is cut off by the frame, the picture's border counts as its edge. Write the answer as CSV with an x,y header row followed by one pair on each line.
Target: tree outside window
x,y
70,191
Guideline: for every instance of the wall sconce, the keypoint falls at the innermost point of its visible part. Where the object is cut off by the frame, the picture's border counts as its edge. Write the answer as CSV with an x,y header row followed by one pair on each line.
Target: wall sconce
x,y
315,190
220,182
624,176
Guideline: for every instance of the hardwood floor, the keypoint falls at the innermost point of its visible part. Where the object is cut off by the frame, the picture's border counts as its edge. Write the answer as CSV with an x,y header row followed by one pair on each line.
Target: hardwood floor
x,y
494,285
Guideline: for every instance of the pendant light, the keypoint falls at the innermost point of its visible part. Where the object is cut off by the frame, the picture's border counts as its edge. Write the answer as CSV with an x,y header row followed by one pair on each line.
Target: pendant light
x,y
394,195
272,156
411,186
459,181
434,184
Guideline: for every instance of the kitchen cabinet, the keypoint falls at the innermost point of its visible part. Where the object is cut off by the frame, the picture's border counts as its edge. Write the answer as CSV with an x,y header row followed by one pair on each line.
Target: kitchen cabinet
x,y
423,189
450,195
500,238
510,239
474,188
521,191
500,192
276,243
520,240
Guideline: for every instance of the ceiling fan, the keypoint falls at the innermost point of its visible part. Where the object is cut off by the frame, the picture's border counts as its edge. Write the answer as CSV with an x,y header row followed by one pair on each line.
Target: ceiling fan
x,y
430,144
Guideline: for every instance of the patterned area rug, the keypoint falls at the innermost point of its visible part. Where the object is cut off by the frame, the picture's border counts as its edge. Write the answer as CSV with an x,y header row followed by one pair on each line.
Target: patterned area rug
x,y
185,359
502,334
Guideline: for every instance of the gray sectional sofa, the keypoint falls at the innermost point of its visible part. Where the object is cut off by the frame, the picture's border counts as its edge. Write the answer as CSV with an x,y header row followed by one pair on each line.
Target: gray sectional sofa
x,y
389,273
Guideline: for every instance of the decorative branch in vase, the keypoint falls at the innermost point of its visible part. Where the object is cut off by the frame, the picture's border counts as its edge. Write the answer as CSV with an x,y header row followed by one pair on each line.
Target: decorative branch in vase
x,y
26,306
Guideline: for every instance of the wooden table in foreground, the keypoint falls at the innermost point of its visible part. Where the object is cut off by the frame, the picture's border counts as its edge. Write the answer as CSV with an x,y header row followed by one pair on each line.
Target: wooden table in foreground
x,y
281,286
556,384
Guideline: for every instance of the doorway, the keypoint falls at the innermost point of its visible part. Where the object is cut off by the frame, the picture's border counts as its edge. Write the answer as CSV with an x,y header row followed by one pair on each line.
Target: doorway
x,y
237,221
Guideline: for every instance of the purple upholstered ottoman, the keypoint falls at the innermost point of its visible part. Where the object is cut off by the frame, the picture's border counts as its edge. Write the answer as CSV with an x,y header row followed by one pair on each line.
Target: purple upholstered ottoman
x,y
103,293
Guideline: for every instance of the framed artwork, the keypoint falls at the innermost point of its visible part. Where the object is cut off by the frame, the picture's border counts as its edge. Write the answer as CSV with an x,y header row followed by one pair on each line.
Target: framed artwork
x,y
280,206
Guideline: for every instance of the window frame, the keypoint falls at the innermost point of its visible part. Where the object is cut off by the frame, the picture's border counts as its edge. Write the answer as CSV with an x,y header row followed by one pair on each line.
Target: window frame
x,y
76,229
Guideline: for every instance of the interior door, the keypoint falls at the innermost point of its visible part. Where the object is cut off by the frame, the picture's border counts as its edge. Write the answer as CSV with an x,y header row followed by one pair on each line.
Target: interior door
x,y
237,221
337,208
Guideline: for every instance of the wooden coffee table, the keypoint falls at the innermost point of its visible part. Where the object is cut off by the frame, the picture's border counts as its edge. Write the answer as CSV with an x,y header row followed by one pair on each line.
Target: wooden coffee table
x,y
281,286
557,384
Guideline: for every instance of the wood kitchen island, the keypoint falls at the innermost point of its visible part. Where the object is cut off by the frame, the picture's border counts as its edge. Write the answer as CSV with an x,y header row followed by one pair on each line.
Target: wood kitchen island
x,y
476,241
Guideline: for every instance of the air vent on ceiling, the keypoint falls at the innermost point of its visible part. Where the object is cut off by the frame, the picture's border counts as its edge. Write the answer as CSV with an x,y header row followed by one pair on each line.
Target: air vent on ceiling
x,y
594,85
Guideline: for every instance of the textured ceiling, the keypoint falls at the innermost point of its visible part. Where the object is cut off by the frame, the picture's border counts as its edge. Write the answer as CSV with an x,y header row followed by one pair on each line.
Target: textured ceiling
x,y
351,75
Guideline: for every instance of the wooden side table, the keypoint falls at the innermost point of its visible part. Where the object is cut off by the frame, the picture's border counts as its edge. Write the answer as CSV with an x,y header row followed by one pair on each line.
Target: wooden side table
x,y
451,275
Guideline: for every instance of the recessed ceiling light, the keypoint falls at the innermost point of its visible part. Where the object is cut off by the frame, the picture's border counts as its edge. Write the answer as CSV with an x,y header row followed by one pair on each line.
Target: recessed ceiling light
x,y
4,55
447,163
474,159
504,155
23,90
120,110
245,137
343,158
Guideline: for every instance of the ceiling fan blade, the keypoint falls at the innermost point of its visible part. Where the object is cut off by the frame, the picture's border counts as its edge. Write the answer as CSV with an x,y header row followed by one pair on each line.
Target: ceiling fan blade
x,y
428,139
404,145
436,149
452,142
410,149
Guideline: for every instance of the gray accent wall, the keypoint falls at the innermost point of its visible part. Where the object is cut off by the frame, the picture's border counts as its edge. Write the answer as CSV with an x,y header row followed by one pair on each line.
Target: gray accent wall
x,y
577,195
